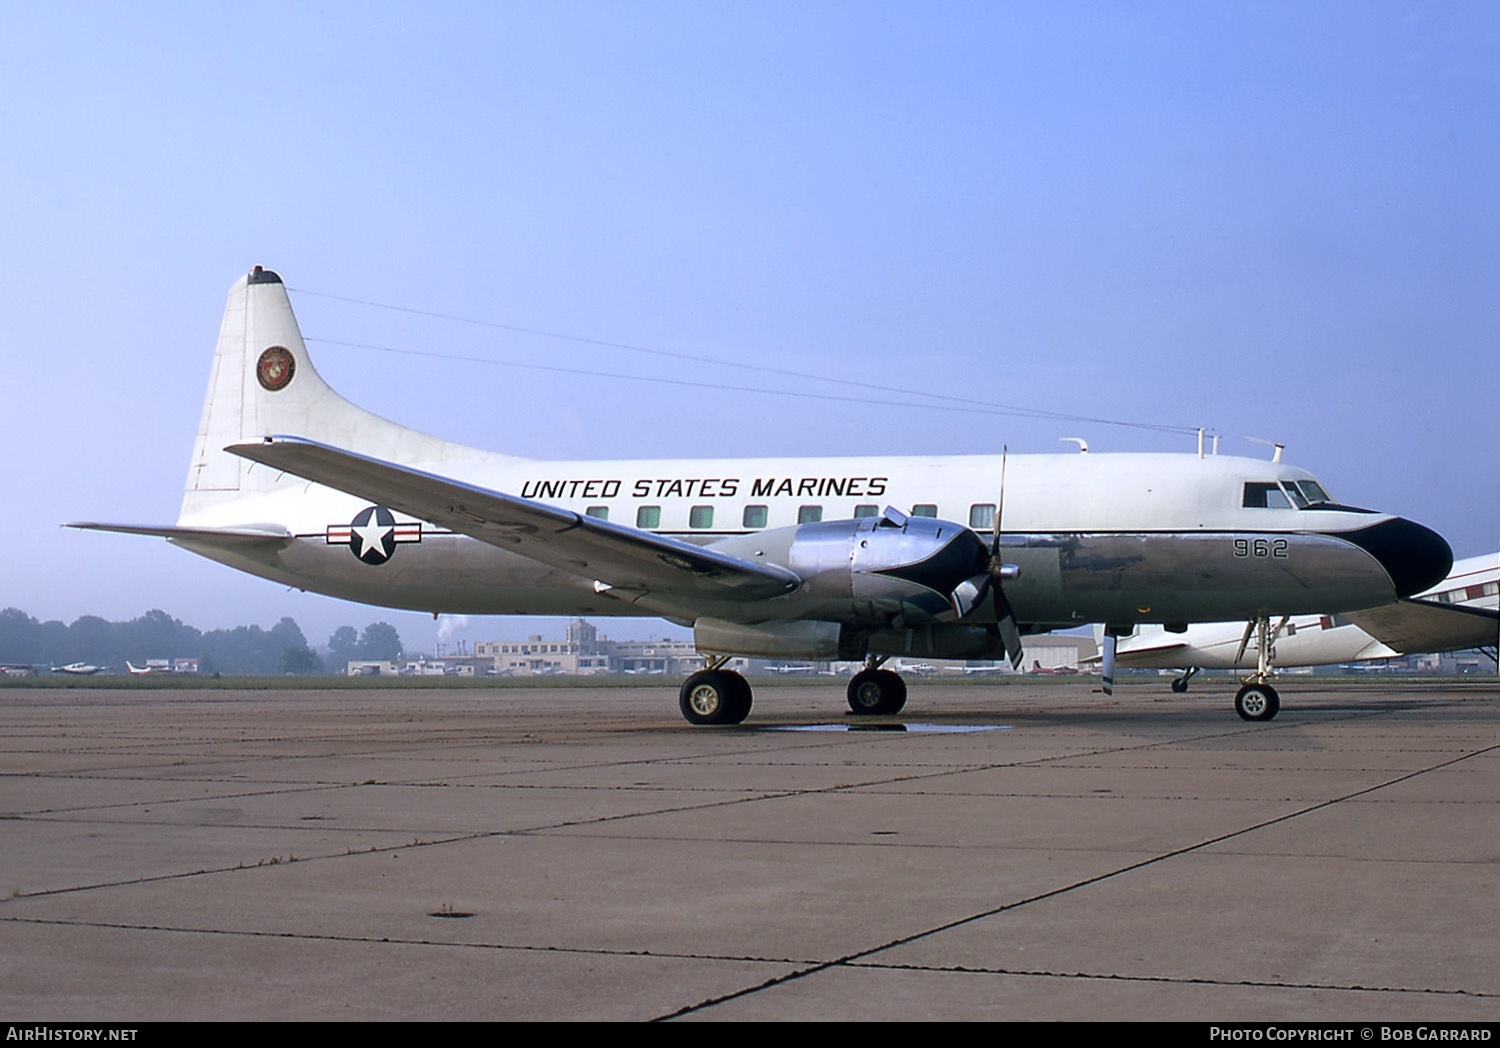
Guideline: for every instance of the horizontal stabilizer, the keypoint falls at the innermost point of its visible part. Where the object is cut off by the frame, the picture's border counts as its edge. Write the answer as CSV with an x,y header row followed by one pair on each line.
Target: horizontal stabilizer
x,y
1413,626
1156,653
249,534
624,558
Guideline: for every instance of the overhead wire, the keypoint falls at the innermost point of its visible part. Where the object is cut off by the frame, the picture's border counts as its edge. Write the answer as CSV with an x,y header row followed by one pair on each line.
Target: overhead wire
x,y
944,401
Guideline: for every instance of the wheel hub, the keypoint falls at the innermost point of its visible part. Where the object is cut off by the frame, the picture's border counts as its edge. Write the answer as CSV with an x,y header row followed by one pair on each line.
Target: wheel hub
x,y
704,699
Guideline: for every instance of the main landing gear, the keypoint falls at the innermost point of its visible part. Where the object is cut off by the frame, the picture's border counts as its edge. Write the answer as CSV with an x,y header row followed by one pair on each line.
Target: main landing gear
x,y
1257,700
873,690
715,695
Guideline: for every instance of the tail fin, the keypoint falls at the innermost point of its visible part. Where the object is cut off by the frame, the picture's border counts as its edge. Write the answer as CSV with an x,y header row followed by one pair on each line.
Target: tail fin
x,y
263,383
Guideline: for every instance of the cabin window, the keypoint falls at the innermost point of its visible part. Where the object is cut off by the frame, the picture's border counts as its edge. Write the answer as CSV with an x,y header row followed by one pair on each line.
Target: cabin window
x,y
982,516
869,509
597,512
809,514
755,516
648,517
924,509
701,517
1260,495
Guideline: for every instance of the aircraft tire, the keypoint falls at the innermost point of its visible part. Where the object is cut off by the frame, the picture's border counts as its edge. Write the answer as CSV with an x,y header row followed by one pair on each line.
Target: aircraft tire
x,y
1179,685
743,696
875,692
714,697
1257,702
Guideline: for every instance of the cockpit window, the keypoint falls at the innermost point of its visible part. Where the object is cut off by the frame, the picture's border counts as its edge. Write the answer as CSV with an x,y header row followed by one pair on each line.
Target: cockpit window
x,y
1261,495
1314,491
1304,494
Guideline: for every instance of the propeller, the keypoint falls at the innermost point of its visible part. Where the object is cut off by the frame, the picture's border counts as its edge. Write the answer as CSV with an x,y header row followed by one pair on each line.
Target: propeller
x,y
972,592
1107,667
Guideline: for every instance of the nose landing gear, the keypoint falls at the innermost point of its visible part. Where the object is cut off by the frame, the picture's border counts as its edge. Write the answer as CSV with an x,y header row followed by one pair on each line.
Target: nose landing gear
x,y
1257,700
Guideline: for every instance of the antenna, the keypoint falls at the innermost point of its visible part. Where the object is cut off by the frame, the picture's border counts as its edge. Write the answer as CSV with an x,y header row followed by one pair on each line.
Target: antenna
x,y
1275,455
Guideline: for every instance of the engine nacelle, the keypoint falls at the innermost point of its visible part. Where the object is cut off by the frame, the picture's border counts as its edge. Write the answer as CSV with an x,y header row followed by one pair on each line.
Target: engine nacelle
x,y
824,641
887,572
951,641
836,642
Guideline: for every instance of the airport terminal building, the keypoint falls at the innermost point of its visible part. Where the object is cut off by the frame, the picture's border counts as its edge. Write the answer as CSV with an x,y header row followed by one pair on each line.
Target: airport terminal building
x,y
584,653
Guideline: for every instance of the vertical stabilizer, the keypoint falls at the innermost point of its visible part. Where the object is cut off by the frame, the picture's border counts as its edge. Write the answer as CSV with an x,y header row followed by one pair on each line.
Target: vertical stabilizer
x,y
263,383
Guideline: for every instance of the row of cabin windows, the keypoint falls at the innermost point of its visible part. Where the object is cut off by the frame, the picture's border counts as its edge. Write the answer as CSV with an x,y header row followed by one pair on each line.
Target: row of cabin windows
x,y
1258,495
701,518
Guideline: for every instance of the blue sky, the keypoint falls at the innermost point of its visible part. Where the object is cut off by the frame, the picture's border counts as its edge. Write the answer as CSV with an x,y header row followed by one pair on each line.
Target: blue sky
x,y
1272,219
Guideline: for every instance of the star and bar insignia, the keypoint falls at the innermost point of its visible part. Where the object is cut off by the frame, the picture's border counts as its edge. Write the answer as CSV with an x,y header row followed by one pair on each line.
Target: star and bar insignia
x,y
373,534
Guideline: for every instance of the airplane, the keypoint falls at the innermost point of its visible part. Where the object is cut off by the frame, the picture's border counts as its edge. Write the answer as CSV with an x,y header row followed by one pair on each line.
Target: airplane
x,y
779,558
1461,612
146,670
1038,670
79,669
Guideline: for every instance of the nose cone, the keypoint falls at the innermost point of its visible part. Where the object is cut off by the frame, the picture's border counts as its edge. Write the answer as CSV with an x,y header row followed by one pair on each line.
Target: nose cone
x,y
1416,558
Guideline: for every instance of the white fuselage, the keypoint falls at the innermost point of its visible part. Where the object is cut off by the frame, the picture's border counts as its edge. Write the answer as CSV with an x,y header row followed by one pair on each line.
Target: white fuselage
x,y
1118,538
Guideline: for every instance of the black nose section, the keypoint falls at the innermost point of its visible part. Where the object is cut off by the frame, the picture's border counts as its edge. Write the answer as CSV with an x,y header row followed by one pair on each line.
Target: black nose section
x,y
1416,558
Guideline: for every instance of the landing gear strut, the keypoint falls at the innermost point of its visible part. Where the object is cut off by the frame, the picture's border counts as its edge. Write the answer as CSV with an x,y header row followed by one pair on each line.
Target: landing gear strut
x,y
715,695
873,690
1257,700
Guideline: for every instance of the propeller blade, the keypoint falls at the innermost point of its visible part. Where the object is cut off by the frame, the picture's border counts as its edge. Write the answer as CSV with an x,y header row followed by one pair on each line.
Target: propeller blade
x,y
1108,661
1005,619
999,505
1005,616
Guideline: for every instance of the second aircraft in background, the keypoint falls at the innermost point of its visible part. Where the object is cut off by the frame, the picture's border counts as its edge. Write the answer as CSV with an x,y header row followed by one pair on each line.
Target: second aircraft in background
x,y
1459,613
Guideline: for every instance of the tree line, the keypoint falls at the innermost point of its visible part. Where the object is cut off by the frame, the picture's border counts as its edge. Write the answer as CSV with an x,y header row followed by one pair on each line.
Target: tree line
x,y
243,650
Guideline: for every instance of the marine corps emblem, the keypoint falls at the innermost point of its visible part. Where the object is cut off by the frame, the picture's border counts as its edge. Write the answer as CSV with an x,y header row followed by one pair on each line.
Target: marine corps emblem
x,y
275,368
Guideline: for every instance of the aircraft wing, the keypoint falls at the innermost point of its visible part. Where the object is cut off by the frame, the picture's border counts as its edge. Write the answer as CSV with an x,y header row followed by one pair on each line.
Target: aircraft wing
x,y
1419,626
633,561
